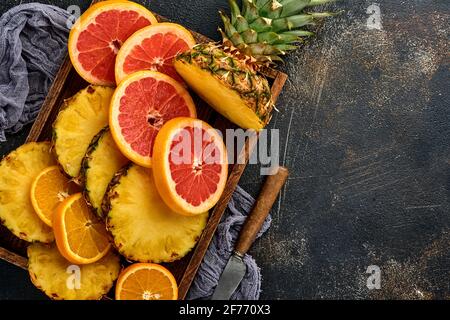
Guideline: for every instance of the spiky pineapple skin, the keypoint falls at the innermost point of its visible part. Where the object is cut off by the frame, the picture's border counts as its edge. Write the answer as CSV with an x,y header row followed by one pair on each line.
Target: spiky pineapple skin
x,y
80,119
50,273
143,228
234,88
102,160
17,172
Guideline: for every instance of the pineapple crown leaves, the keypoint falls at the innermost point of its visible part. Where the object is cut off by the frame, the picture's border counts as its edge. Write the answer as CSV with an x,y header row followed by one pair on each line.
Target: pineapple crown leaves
x,y
268,29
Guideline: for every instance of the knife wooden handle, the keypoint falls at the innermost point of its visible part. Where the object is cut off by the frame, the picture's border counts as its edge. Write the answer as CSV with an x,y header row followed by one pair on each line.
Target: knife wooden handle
x,y
264,203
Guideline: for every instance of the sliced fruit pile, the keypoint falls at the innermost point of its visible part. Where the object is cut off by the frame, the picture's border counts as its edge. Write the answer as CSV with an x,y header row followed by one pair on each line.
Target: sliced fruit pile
x,y
98,35
153,48
116,38
142,186
129,170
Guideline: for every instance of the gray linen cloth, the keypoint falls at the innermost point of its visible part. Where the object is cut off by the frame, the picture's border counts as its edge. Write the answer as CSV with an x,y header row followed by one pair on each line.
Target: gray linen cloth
x,y
221,249
33,41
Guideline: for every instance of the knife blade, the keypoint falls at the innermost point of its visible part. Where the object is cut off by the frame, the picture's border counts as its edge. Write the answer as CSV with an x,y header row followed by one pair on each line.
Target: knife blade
x,y
235,269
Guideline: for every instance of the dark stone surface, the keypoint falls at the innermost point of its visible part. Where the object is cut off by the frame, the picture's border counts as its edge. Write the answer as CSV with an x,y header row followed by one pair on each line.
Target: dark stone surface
x,y
364,124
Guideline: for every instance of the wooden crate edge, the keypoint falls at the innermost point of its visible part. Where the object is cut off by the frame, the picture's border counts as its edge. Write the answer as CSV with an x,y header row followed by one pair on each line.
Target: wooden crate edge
x,y
13,258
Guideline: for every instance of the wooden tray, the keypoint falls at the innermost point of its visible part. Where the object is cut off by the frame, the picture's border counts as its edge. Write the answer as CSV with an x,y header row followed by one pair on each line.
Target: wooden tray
x,y
66,84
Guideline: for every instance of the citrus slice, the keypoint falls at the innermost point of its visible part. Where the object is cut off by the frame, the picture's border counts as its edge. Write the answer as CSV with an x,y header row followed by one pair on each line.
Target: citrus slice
x,y
98,35
153,48
190,165
146,281
48,190
141,104
80,236
17,172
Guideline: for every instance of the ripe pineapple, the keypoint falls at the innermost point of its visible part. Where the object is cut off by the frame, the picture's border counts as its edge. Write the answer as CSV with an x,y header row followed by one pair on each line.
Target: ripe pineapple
x,y
103,159
226,76
82,117
56,276
17,172
143,227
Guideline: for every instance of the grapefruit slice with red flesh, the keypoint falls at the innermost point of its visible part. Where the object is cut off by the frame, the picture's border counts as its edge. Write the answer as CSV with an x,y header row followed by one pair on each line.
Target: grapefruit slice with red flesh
x,y
153,48
190,165
140,106
98,35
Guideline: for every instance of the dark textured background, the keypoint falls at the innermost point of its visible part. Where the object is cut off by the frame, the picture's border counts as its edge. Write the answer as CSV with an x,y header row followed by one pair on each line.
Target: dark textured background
x,y
365,124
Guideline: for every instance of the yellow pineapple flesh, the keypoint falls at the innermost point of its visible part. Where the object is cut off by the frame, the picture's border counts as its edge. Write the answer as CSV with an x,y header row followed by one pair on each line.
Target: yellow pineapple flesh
x,y
61,280
17,172
82,117
228,84
143,227
103,159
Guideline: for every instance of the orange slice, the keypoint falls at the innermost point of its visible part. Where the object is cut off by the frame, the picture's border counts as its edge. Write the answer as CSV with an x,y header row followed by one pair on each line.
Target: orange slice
x,y
190,165
141,104
80,236
48,190
146,281
153,48
98,35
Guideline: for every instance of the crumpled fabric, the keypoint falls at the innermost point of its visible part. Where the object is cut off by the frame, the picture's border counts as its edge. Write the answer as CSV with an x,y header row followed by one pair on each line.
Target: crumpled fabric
x,y
221,249
33,43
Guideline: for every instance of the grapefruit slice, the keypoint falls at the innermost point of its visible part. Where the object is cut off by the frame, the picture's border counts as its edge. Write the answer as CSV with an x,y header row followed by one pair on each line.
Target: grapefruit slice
x,y
98,35
190,165
142,103
153,48
140,106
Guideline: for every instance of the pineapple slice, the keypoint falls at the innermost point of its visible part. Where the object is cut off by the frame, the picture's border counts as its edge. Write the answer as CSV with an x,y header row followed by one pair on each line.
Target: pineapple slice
x,y
17,172
227,84
103,159
143,227
83,116
59,279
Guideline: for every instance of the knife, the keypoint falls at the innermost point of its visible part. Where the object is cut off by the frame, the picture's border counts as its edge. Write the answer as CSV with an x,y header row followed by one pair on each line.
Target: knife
x,y
235,269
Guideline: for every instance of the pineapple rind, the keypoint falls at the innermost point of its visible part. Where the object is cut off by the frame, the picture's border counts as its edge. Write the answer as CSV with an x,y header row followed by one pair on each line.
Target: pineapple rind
x,y
17,172
102,160
82,117
50,272
144,229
